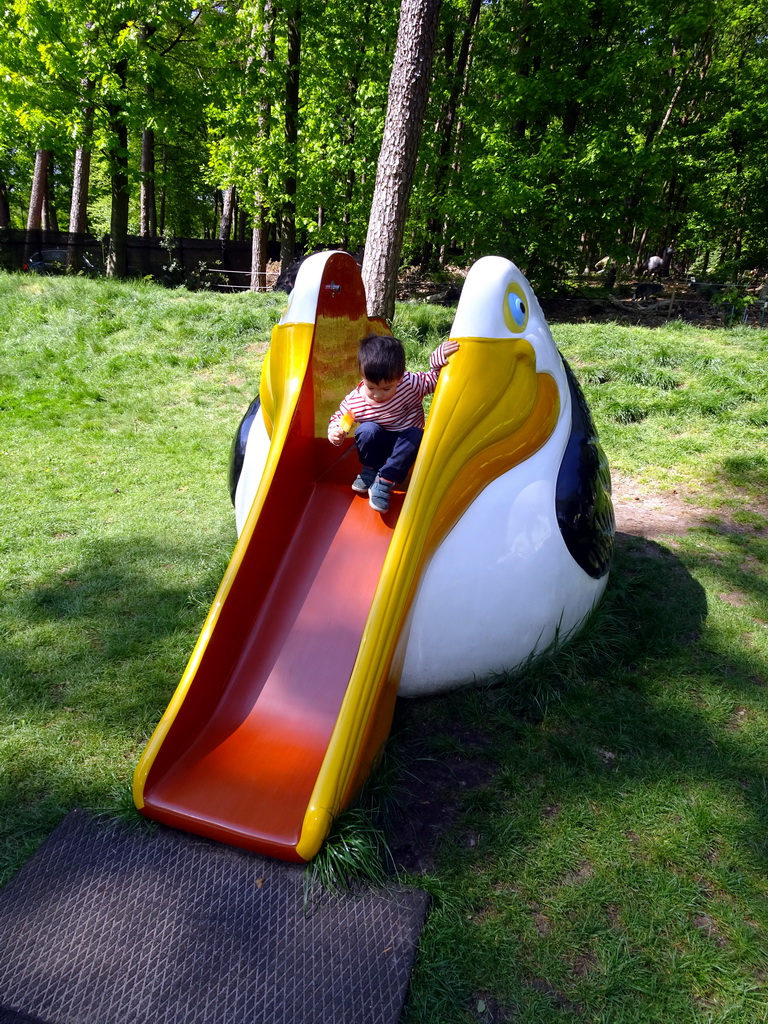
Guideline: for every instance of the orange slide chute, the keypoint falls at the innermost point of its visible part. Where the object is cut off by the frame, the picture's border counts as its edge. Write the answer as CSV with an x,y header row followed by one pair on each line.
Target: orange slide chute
x,y
239,750
267,695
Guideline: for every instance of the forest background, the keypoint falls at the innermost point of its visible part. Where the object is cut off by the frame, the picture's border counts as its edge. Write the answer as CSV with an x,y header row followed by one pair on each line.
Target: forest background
x,y
557,133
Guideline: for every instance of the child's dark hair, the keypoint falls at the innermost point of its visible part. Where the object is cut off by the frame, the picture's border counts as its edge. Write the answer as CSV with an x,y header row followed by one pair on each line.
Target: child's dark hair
x,y
381,358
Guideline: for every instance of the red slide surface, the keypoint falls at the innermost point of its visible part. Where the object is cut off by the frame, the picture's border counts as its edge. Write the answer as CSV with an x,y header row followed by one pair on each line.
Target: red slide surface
x,y
240,761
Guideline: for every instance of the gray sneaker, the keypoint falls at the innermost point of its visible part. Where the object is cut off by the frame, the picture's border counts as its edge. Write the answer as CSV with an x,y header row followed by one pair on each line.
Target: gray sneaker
x,y
363,480
378,495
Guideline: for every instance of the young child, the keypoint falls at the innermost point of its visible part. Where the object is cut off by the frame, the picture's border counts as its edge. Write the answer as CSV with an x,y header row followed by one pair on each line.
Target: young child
x,y
387,405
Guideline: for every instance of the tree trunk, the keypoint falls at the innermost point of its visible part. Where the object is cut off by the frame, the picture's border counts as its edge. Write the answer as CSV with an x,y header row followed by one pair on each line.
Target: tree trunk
x,y
259,253
5,206
147,198
117,254
446,129
408,91
640,261
81,176
163,196
227,213
258,281
148,201
78,209
288,211
37,197
350,134
349,143
49,218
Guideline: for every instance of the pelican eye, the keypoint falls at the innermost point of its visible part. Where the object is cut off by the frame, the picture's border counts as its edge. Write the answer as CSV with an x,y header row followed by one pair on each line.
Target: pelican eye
x,y
515,309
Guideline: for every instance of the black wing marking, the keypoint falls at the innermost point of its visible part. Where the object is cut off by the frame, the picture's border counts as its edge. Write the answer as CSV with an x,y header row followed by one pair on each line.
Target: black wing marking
x,y
583,495
239,442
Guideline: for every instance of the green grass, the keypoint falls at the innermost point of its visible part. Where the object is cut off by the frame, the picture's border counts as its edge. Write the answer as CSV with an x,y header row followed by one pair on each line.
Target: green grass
x,y
601,848
119,403
677,404
614,866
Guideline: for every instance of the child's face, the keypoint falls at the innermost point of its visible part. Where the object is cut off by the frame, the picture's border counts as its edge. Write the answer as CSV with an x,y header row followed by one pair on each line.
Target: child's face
x,y
382,391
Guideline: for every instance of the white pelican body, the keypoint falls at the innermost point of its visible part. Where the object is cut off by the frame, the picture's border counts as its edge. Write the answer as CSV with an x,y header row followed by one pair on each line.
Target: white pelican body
x,y
503,584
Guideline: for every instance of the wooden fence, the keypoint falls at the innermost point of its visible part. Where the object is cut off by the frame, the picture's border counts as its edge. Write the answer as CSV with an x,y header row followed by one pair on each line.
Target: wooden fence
x,y
195,262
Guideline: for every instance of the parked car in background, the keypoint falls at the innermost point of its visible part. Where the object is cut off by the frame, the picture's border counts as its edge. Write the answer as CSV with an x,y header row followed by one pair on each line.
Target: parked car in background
x,y
56,261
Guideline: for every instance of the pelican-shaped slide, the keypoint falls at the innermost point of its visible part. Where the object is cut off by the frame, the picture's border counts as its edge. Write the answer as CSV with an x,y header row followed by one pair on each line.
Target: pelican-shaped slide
x,y
500,543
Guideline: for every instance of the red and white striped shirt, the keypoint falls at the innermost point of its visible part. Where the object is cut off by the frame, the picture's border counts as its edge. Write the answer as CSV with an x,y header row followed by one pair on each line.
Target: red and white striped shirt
x,y
405,408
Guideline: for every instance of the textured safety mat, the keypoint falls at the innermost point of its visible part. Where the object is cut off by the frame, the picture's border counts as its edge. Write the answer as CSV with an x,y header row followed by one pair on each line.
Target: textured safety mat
x,y
111,925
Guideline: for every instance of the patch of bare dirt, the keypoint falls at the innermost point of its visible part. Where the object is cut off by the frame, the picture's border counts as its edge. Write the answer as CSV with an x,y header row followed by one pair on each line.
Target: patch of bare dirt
x,y
414,283
709,927
655,311
643,513
736,598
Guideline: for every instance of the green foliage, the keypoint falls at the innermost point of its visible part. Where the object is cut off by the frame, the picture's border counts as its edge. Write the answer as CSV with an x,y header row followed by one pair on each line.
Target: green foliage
x,y
571,132
581,125
147,67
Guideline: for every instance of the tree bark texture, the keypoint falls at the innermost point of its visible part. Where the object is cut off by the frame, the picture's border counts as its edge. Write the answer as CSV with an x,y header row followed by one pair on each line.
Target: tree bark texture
x,y
5,206
408,91
117,255
258,281
78,206
37,196
288,212
147,200
78,209
227,212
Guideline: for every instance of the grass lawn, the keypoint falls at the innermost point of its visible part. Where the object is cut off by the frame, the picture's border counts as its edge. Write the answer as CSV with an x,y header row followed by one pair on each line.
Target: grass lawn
x,y
593,833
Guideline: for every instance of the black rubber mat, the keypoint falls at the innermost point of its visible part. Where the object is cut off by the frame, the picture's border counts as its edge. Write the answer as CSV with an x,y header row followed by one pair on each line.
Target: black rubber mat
x,y
111,925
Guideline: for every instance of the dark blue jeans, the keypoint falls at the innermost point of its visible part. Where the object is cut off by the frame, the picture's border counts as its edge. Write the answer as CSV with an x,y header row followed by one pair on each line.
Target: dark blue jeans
x,y
391,452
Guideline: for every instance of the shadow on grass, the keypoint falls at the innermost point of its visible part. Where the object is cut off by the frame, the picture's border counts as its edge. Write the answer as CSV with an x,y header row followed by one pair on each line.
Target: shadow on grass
x,y
104,617
455,743
600,816
597,716
94,651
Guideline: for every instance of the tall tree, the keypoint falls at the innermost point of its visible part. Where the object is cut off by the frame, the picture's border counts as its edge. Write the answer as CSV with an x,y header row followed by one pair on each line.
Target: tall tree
x,y
39,188
461,22
117,155
291,123
263,40
228,205
408,91
78,207
564,131
148,200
